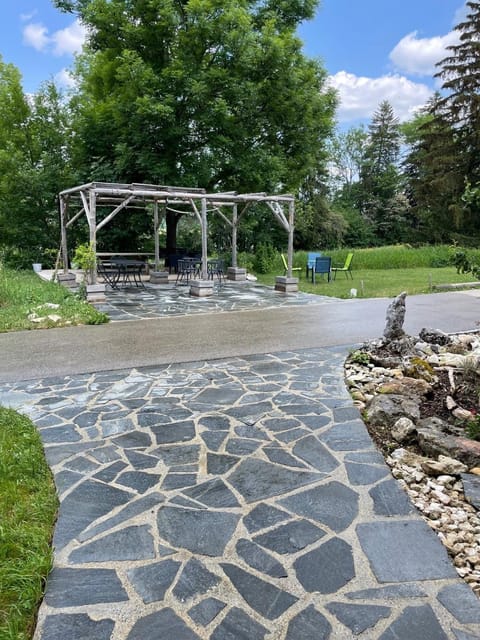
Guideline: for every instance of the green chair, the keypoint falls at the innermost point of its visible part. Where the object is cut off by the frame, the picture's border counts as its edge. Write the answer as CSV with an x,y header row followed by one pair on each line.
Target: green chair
x,y
347,267
285,266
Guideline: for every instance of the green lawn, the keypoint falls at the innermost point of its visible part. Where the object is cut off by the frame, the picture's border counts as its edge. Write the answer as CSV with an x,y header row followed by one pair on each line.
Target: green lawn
x,y
28,507
24,296
378,283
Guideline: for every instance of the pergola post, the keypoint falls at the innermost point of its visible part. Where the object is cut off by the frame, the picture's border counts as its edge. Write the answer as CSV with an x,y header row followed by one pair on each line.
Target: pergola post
x,y
155,231
204,239
63,226
291,224
234,235
92,223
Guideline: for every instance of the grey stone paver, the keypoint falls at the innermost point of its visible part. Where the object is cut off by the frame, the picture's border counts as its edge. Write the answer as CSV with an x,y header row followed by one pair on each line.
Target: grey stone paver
x,y
159,301
177,536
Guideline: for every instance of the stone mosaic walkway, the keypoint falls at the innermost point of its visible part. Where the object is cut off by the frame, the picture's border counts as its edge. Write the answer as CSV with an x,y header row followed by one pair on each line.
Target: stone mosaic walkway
x,y
238,499
157,301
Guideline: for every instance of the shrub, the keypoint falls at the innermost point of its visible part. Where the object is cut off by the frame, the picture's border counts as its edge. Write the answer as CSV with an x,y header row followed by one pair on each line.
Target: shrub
x,y
265,258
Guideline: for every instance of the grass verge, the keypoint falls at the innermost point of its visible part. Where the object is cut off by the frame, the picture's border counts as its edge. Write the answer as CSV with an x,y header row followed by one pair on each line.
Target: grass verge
x,y
24,298
28,507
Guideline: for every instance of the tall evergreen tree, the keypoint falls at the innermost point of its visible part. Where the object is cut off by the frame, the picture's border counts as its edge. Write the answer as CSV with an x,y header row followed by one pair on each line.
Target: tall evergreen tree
x,y
208,93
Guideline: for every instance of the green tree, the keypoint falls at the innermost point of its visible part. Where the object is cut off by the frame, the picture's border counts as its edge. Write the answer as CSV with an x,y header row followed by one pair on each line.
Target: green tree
x,y
199,93
34,166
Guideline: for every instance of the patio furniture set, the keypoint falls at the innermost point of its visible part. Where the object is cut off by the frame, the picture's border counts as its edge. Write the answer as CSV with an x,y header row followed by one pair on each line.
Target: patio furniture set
x,y
322,265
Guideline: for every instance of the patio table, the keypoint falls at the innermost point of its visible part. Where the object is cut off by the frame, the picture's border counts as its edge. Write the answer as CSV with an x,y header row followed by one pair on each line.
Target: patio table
x,y
127,272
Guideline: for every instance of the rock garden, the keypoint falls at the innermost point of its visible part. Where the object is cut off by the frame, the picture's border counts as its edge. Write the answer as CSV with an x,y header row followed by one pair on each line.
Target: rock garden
x,y
420,399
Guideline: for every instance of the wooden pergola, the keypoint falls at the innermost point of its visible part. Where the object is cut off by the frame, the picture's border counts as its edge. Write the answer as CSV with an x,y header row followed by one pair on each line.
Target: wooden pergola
x,y
231,206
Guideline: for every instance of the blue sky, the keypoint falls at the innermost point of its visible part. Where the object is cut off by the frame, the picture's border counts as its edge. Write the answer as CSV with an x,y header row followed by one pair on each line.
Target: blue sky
x,y
372,49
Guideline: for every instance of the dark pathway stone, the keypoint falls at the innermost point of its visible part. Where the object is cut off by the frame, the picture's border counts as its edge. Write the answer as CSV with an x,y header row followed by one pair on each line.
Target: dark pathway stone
x,y
79,626
404,551
152,581
415,622
259,559
309,624
262,596
290,537
194,580
327,568
237,625
204,532
205,611
165,622
77,587
131,543
358,618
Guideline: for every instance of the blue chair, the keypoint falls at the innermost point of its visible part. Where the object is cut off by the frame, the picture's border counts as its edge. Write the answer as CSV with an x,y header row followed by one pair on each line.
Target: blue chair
x,y
322,266
311,261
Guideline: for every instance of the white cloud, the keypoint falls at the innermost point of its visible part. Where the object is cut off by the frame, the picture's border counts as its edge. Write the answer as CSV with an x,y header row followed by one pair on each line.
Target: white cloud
x,y
36,35
64,79
418,56
69,40
62,42
360,96
26,17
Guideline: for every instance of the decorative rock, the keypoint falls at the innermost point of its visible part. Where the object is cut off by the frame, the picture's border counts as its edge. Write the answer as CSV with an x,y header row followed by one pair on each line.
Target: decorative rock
x,y
434,336
403,430
462,414
395,318
387,409
444,465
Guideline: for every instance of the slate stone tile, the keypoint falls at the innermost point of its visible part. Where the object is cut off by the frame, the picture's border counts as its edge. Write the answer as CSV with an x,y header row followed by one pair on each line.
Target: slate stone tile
x,y
280,456
131,510
349,436
358,617
58,453
138,480
213,493
464,635
82,465
392,592
263,516
82,506
345,414
205,611
78,587
415,622
471,488
365,457
327,568
214,439
139,460
174,432
250,413
259,559
316,422
250,431
105,454
462,603
66,479
172,626
237,625
183,454
219,397
389,499
241,446
79,626
215,423
290,537
301,408
131,543
404,551
313,452
332,504
60,435
178,480
309,624
363,474
218,464
281,424
265,598
119,425
185,502
152,581
291,435
203,531
256,480
134,440
108,474
271,367
194,580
